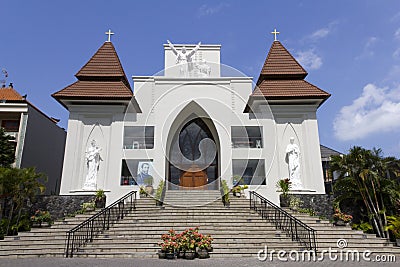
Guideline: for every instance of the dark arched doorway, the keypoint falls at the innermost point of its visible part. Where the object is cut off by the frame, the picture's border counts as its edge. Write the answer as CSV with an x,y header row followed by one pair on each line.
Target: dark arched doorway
x,y
187,175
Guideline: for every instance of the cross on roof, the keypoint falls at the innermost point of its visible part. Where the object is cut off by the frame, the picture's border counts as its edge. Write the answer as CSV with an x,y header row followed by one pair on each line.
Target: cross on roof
x,y
109,33
275,33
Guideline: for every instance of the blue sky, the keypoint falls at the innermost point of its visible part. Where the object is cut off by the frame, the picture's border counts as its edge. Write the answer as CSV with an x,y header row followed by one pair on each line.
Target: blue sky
x,y
349,48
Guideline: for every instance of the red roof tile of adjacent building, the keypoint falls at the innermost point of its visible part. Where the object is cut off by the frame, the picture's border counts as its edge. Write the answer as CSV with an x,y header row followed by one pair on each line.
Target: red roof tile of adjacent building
x,y
274,89
280,63
9,94
102,77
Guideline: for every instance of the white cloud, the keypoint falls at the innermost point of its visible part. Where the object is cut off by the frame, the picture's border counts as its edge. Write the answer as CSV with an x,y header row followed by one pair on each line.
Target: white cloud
x,y
396,53
368,50
323,32
376,110
309,59
397,34
206,10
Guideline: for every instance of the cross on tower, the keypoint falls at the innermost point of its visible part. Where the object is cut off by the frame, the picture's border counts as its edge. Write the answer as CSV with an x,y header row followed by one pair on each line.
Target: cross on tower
x,y
275,33
109,33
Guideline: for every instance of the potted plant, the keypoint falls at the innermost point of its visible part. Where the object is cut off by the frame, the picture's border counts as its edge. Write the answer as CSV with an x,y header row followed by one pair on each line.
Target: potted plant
x,y
204,246
41,218
100,199
148,181
158,194
225,192
394,227
169,244
340,218
236,191
142,191
284,186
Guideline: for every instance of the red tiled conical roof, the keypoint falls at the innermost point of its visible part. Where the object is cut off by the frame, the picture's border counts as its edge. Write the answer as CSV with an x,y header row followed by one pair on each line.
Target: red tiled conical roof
x,y
281,64
104,63
282,77
102,77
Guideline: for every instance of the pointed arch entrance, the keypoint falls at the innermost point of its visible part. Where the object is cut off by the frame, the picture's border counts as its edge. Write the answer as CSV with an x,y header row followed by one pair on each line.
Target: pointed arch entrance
x,y
193,158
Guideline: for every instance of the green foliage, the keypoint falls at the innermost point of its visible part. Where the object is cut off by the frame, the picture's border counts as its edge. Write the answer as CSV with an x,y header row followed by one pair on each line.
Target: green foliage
x,y
7,155
41,216
88,206
142,190
17,188
225,190
368,184
310,212
159,190
238,188
295,202
394,225
100,194
366,227
284,185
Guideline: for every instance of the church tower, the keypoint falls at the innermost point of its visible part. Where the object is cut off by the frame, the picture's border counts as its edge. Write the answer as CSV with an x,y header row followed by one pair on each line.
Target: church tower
x,y
97,103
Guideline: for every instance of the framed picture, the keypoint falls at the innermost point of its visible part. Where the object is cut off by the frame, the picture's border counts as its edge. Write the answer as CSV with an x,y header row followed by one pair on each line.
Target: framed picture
x,y
145,173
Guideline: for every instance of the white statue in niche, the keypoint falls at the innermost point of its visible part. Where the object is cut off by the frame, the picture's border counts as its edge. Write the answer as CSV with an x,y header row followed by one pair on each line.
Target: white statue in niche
x,y
293,160
93,158
184,58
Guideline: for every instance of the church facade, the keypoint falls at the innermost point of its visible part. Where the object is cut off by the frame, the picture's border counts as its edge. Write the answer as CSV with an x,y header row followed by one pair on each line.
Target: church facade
x,y
193,125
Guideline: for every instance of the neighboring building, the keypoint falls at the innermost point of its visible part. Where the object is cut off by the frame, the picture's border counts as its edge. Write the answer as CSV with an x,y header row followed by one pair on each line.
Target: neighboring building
x,y
38,140
326,154
197,123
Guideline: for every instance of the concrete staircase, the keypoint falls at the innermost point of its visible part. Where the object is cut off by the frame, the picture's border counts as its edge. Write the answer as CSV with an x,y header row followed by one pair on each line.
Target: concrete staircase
x,y
237,231
328,236
41,242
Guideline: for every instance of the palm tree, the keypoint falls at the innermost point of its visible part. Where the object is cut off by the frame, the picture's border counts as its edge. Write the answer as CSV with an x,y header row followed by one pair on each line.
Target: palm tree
x,y
366,177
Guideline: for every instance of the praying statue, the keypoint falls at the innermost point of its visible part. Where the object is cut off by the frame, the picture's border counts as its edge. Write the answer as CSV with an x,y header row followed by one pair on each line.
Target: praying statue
x,y
293,160
184,58
93,158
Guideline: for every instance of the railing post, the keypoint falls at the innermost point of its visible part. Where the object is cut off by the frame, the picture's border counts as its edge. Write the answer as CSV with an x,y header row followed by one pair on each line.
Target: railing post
x,y
108,219
67,247
251,194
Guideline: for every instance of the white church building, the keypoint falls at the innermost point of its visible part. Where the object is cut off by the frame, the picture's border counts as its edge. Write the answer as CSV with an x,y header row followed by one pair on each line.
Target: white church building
x,y
194,124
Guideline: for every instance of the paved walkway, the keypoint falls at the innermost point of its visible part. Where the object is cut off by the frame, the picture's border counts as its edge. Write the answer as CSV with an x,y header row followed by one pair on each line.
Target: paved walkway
x,y
62,262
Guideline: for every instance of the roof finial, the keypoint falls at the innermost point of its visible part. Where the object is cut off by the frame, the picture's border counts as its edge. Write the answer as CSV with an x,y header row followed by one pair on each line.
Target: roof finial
x,y
275,33
109,33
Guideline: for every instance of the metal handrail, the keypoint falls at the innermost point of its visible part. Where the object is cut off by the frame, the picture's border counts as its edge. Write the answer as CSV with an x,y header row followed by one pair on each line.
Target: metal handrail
x,y
84,232
293,227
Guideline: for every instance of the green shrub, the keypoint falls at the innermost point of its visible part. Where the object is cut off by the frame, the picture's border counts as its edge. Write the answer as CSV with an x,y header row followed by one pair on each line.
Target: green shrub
x,y
366,227
159,190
